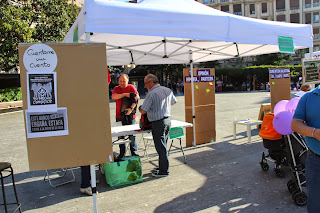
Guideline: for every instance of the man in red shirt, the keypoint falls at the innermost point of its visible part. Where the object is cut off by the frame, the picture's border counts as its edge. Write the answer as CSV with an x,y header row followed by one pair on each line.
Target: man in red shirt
x,y
119,92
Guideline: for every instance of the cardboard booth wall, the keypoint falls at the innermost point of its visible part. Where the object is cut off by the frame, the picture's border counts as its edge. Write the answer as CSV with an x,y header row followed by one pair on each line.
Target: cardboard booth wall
x,y
82,88
204,103
279,79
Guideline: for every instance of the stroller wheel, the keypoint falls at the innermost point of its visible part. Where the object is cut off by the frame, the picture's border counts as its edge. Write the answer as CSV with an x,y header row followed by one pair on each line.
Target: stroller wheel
x,y
292,186
300,198
264,166
279,172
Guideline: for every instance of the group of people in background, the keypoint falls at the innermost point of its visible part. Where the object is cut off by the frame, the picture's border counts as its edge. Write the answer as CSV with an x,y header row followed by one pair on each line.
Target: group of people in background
x,y
175,87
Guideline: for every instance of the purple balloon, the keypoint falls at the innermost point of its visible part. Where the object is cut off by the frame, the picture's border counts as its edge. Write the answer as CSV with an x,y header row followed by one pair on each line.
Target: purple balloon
x,y
292,105
282,123
280,107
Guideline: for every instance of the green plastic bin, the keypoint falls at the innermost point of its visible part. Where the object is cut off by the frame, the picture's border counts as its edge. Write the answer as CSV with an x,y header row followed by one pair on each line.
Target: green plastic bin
x,y
123,172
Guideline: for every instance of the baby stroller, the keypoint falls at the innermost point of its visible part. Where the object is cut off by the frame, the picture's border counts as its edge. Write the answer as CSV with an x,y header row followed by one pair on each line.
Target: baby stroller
x,y
274,143
297,154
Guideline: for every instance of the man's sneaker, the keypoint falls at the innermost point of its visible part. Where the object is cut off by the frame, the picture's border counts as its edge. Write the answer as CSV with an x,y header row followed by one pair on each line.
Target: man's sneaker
x,y
155,169
157,174
87,191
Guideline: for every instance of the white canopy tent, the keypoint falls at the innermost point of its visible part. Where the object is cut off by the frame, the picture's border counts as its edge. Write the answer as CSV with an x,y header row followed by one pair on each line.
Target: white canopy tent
x,y
176,32
166,31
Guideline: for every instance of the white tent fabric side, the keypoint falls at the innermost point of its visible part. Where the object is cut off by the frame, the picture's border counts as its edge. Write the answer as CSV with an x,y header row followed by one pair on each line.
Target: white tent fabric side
x,y
165,31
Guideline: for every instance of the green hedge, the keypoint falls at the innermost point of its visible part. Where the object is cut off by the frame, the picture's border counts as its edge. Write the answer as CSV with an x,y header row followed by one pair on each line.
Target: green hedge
x,y
10,94
241,73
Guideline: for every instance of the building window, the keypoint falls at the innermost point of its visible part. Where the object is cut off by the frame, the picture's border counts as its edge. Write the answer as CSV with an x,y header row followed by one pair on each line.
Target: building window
x,y
316,33
281,18
225,8
264,7
237,9
205,1
308,18
294,18
252,9
316,17
315,3
224,0
307,3
294,4
212,1
280,5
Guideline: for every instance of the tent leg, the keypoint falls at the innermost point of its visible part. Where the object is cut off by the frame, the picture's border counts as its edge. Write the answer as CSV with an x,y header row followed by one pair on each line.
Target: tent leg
x,y
94,188
194,143
92,167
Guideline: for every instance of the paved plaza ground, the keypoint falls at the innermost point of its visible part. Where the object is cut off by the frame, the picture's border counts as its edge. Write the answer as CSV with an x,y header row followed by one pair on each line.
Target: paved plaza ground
x,y
223,176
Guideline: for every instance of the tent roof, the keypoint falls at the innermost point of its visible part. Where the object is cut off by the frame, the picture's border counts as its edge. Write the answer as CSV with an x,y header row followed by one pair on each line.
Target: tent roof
x,y
166,31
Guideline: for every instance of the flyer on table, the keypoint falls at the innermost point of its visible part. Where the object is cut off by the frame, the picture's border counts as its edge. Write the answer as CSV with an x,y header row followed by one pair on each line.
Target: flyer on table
x,y
46,124
42,91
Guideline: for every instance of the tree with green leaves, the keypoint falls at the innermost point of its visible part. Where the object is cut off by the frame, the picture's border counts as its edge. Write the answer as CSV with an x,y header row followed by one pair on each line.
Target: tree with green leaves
x,y
277,59
52,18
14,29
32,21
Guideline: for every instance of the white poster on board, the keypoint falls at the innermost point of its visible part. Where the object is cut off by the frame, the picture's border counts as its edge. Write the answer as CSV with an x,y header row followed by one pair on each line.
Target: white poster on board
x,y
40,58
42,91
47,124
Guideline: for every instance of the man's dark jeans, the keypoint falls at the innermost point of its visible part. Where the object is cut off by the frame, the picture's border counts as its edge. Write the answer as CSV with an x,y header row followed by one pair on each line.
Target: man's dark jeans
x,y
160,134
313,182
133,144
85,176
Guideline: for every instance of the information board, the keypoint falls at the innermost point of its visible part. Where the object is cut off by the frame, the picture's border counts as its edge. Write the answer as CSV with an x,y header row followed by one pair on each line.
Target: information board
x,y
66,104
311,68
279,79
204,104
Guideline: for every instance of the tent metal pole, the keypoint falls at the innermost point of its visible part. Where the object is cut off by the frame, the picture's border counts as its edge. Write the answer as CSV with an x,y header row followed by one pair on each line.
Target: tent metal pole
x,y
92,167
94,187
311,52
194,142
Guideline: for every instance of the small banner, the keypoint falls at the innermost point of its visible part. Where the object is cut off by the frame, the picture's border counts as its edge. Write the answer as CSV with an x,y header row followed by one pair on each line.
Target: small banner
x,y
176,132
285,44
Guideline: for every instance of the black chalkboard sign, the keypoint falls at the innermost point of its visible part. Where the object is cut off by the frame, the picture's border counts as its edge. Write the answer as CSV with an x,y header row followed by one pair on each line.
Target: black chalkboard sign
x,y
311,70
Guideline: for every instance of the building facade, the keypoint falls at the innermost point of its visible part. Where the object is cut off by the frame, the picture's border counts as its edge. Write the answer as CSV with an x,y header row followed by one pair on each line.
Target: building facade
x,y
291,11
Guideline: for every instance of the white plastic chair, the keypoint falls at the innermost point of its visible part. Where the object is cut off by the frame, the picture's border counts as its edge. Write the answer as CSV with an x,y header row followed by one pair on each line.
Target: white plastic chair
x,y
174,133
60,174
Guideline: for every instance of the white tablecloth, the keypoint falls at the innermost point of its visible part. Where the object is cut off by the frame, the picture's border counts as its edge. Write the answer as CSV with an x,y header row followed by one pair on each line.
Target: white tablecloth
x,y
117,131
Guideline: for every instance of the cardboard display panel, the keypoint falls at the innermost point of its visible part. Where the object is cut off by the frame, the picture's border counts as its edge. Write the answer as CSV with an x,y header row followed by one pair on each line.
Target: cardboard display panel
x,y
205,125
204,100
82,88
279,79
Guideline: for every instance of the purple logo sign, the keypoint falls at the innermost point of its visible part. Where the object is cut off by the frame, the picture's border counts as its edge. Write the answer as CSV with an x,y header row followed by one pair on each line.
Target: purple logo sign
x,y
206,78
188,79
203,72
